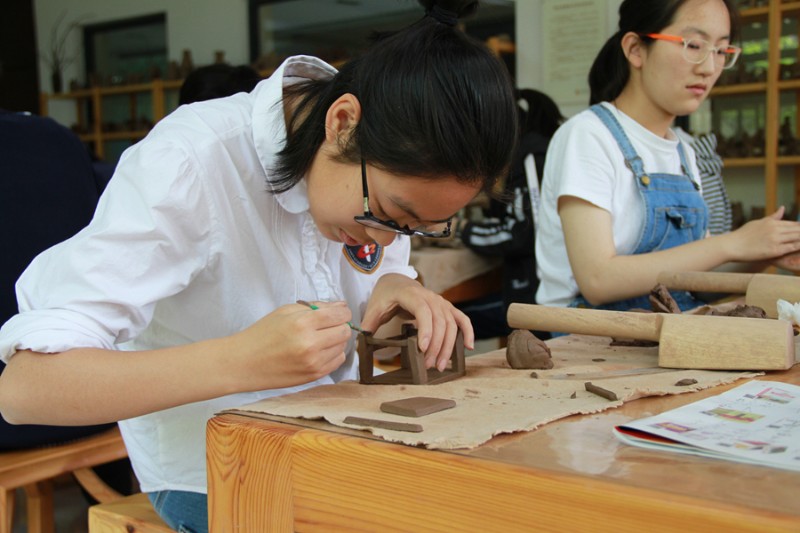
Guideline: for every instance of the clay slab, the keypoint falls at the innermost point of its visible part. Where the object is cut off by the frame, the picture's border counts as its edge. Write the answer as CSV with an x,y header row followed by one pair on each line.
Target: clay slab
x,y
417,406
383,424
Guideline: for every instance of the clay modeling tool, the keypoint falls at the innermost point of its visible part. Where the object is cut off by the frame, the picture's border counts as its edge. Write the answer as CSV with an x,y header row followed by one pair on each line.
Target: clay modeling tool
x,y
315,307
761,290
609,374
684,341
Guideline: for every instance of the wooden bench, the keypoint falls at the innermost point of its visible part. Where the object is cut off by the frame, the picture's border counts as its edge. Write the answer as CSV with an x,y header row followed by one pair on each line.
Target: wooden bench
x,y
132,513
34,469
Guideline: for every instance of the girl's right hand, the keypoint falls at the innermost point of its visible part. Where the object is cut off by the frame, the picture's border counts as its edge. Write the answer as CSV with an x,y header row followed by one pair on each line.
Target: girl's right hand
x,y
292,345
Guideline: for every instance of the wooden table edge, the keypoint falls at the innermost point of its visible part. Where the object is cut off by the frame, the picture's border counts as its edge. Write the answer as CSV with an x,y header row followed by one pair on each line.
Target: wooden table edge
x,y
522,497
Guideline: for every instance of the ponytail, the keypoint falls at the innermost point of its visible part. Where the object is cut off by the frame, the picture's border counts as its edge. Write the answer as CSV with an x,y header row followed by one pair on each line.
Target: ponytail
x,y
610,71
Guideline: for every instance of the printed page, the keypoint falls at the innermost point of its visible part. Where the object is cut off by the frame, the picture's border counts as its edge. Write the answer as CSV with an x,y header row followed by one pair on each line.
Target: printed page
x,y
758,422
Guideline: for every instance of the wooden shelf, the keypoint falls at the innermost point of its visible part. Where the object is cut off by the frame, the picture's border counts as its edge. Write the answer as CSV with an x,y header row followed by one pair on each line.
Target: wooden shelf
x,y
89,102
754,13
117,89
741,162
739,88
744,162
786,85
126,89
790,7
82,93
772,90
124,135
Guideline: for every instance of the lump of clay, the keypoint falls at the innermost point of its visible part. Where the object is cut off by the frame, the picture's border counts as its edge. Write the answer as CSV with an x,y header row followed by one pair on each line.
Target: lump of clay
x,y
662,301
526,350
746,311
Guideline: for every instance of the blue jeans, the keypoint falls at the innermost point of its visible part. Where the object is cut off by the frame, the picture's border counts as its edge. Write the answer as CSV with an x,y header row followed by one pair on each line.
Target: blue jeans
x,y
185,512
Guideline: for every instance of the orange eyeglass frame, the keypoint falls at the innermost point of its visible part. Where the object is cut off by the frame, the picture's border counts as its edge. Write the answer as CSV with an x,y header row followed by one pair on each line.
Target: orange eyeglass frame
x,y
679,39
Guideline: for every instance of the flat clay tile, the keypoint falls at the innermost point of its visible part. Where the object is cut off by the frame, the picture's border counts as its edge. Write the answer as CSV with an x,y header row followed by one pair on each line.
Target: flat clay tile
x,y
383,424
417,406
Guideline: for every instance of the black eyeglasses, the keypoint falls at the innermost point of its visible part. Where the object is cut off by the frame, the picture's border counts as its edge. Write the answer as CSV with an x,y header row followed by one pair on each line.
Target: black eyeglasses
x,y
371,221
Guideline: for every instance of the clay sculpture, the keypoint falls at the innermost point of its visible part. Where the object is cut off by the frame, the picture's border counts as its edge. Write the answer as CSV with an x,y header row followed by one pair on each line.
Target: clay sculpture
x,y
412,369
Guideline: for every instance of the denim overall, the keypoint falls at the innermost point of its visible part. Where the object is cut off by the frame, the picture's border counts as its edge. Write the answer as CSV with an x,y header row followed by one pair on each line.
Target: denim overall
x,y
675,212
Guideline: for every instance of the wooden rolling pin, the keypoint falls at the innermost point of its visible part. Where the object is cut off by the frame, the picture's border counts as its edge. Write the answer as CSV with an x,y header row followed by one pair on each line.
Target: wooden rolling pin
x,y
685,341
762,290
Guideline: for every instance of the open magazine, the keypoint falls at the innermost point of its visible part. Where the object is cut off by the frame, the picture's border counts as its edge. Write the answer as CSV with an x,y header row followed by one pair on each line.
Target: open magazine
x,y
756,423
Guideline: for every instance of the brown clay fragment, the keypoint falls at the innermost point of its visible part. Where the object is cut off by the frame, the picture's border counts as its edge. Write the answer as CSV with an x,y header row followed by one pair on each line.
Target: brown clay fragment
x,y
525,350
685,382
746,311
573,395
600,391
417,406
383,424
632,342
662,301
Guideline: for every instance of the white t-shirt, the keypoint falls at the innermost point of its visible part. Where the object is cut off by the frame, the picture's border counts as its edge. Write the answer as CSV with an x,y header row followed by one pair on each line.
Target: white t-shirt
x,y
187,244
585,161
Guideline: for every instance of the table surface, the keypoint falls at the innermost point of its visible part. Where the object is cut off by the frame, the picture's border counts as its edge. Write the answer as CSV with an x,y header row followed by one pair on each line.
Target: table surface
x,y
571,474
443,269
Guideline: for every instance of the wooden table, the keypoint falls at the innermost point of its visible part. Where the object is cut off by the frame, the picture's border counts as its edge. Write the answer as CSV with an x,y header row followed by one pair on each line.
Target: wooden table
x,y
569,475
458,274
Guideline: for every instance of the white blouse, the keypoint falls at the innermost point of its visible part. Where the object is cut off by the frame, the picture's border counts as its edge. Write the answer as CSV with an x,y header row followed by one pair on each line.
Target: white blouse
x,y
188,244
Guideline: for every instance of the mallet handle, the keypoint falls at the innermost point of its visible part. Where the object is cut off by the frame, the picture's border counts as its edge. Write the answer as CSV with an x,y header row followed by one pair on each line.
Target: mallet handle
x,y
645,326
728,282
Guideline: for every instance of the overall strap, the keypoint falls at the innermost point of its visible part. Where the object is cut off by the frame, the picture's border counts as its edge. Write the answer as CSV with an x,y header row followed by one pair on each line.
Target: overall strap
x,y
632,159
687,170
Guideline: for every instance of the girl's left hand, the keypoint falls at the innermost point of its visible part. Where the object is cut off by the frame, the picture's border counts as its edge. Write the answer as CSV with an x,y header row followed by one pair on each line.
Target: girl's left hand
x,y
438,321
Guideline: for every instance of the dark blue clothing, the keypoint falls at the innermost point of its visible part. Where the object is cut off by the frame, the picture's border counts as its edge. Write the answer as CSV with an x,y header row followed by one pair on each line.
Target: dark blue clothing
x,y
508,232
47,194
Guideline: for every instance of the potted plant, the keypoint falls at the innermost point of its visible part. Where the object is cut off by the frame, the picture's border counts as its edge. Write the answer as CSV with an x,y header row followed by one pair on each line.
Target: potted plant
x,y
57,56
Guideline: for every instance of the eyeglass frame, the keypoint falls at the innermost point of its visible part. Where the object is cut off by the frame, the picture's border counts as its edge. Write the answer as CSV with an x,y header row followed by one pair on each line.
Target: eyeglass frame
x,y
391,225
685,42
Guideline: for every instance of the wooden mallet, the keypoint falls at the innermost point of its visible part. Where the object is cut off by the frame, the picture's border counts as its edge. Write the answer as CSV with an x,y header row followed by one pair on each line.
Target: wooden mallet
x,y
685,341
762,290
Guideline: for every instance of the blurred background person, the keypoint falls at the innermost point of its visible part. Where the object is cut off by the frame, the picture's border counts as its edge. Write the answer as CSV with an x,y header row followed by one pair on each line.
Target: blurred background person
x,y
216,81
709,164
508,227
48,193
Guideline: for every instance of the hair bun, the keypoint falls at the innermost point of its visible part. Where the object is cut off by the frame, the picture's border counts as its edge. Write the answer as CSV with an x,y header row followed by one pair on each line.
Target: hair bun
x,y
449,11
445,16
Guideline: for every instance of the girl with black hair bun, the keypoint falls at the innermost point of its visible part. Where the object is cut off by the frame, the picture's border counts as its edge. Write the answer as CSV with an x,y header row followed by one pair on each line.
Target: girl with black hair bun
x,y
179,298
621,198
